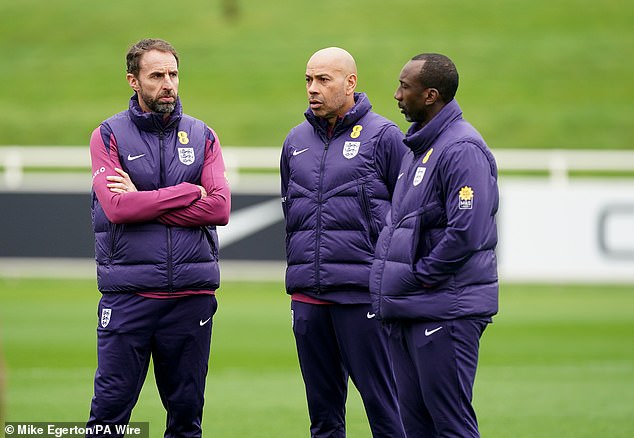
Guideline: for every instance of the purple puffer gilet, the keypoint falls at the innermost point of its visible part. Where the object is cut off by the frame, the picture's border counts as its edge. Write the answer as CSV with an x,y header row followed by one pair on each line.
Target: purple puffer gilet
x,y
150,256
335,203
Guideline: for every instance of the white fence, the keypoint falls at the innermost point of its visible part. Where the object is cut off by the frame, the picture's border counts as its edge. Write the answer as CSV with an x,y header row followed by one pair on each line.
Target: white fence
x,y
67,168
37,167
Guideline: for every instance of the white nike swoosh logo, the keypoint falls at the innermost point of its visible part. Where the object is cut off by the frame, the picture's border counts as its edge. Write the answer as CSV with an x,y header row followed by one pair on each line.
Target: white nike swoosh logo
x,y
370,315
431,332
296,152
132,158
400,175
202,323
250,220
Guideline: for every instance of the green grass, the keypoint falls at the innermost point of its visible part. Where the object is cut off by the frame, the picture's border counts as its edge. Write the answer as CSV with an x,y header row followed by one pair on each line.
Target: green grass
x,y
557,362
537,74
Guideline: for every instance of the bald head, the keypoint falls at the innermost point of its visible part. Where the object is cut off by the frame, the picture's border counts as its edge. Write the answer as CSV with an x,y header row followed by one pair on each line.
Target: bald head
x,y
331,77
334,58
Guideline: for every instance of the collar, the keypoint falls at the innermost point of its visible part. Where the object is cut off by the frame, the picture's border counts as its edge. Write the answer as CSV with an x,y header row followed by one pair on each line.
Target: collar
x,y
361,107
420,139
154,122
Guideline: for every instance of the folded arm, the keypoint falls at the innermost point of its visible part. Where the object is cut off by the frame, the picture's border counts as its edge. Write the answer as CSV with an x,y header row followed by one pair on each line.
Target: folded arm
x,y
214,208
131,206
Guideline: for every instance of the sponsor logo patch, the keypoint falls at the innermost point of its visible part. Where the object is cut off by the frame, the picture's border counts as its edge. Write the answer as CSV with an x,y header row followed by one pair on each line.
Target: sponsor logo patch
x,y
301,151
182,137
427,155
465,198
356,131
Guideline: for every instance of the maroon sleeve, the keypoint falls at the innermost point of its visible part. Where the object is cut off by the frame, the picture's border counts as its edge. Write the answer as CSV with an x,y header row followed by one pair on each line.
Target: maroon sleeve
x,y
132,206
215,207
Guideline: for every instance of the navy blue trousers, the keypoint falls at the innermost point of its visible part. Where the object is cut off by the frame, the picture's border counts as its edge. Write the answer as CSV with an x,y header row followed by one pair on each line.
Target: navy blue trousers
x,y
176,333
435,366
337,342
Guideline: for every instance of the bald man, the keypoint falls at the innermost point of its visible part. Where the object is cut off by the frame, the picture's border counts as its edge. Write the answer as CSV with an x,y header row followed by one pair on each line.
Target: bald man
x,y
338,171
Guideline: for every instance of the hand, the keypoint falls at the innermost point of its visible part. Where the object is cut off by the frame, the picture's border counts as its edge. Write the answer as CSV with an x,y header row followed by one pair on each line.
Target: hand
x,y
121,183
203,192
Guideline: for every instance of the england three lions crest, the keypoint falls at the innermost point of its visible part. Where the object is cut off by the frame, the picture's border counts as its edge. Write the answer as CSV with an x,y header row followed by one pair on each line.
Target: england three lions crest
x,y
419,175
351,149
186,155
105,317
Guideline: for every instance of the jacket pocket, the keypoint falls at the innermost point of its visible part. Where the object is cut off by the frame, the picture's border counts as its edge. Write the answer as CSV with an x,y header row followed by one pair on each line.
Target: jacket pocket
x,y
428,227
366,208
114,234
212,238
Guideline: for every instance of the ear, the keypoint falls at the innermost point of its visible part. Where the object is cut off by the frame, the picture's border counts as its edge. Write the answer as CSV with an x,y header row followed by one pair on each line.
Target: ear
x,y
351,83
133,81
432,96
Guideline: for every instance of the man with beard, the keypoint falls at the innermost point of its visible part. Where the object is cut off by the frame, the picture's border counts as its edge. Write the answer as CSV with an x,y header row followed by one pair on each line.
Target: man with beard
x,y
338,170
434,278
159,191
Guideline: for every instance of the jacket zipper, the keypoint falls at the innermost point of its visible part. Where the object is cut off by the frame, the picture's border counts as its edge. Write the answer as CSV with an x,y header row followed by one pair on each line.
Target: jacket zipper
x,y
170,274
394,213
319,201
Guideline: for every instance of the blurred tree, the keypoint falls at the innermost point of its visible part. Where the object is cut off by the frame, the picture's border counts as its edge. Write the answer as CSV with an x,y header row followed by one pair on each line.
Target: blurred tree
x,y
230,9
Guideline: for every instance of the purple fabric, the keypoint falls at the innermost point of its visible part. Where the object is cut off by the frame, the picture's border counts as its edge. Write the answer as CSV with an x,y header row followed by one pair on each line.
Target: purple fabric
x,y
435,366
336,193
176,334
435,258
337,342
150,256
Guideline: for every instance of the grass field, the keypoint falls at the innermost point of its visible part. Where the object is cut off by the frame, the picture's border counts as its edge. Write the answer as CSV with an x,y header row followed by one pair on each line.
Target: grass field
x,y
557,362
538,74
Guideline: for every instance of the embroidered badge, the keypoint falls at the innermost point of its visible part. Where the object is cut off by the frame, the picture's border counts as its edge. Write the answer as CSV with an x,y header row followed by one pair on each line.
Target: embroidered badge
x,y
427,155
465,198
186,155
356,131
182,137
351,149
418,176
105,317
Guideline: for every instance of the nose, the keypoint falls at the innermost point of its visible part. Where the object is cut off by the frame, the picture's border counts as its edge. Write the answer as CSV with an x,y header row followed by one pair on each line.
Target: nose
x,y
311,87
397,94
167,82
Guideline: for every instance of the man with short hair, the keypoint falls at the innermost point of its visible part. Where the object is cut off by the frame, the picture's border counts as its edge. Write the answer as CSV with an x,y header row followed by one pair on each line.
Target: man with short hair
x,y
338,171
434,278
159,190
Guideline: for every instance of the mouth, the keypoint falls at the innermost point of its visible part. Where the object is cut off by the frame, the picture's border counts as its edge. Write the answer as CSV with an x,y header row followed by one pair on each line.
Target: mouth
x,y
314,103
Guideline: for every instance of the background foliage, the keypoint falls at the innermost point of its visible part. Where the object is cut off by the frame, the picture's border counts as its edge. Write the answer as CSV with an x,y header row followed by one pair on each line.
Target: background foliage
x,y
539,74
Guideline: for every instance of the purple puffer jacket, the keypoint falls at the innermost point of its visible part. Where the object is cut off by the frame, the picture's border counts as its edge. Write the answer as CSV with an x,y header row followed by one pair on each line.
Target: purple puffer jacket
x,y
336,193
435,258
